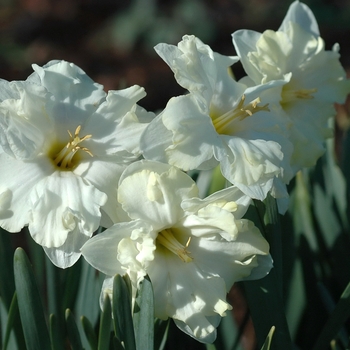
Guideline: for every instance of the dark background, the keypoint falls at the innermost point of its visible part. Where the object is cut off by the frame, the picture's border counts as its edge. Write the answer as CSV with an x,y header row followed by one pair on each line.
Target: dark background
x,y
112,40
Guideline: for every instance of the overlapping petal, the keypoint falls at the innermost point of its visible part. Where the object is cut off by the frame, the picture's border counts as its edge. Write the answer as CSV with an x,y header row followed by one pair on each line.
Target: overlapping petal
x,y
220,120
24,121
68,142
17,179
316,78
58,206
192,249
154,203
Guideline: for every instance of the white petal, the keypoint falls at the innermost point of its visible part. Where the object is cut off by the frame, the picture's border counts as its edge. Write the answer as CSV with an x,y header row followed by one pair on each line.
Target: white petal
x,y
17,180
5,204
301,14
226,198
193,133
69,84
101,251
152,192
244,42
210,220
187,62
74,96
61,203
204,329
118,123
6,92
187,296
24,121
155,139
232,260
280,193
247,163
104,174
197,68
67,254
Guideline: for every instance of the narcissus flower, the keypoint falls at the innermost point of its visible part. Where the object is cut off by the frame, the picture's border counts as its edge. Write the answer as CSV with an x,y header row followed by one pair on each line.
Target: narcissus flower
x,y
192,249
63,145
220,121
314,77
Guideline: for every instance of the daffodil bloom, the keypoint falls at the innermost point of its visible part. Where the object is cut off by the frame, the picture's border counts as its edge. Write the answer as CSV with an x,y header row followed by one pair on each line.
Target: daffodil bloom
x,y
314,77
192,249
220,121
63,144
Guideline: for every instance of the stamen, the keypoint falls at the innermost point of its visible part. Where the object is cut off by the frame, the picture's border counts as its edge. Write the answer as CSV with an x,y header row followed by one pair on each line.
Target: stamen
x,y
64,158
167,240
292,95
240,112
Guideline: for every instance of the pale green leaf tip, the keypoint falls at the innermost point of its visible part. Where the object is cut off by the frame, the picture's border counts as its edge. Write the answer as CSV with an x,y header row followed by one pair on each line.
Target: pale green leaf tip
x,y
267,343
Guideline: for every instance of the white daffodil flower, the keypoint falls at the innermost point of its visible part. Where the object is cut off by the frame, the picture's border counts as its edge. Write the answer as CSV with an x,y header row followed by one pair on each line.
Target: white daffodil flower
x,y
314,77
64,143
192,249
220,121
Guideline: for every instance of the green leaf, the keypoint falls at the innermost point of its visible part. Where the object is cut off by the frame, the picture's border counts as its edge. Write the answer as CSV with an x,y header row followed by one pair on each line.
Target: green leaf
x,y
14,323
72,280
117,345
85,294
315,311
265,296
144,316
105,325
123,323
300,208
72,331
271,229
267,310
89,332
12,316
56,336
268,340
335,321
29,303
161,330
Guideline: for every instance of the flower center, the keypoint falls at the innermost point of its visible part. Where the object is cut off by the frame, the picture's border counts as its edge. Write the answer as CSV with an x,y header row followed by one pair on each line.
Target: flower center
x,y
167,240
64,159
223,122
289,95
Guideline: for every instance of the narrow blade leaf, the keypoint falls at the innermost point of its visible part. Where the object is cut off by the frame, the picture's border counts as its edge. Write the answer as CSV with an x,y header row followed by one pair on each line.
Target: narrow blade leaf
x,y
73,332
144,316
105,325
31,311
123,323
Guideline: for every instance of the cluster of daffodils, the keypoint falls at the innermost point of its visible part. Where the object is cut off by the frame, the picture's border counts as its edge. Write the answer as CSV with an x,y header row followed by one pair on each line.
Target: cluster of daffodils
x,y
74,159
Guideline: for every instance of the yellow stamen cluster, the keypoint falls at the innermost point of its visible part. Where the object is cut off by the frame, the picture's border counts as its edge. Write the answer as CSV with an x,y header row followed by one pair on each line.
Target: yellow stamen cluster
x,y
64,158
167,240
239,112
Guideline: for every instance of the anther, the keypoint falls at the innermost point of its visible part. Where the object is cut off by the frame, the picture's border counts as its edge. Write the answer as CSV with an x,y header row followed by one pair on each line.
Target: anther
x,y
64,158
